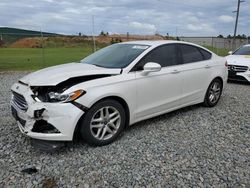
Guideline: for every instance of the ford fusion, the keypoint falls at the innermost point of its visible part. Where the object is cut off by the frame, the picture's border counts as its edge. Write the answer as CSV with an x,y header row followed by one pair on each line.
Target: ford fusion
x,y
239,64
116,87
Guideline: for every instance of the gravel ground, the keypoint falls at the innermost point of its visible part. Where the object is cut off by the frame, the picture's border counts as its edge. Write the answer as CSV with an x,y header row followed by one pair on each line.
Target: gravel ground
x,y
191,147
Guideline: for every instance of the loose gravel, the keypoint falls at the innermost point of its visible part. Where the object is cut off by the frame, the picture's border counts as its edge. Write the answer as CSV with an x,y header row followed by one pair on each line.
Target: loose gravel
x,y
191,147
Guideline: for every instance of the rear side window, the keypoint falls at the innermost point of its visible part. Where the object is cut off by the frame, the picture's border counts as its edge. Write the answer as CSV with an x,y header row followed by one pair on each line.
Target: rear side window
x,y
190,54
205,54
164,55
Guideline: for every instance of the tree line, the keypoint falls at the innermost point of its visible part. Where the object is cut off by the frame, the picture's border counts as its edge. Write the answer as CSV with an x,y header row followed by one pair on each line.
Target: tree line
x,y
243,36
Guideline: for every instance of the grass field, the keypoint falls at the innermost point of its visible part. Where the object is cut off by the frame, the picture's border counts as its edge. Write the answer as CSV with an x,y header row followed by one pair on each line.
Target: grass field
x,y
218,51
37,58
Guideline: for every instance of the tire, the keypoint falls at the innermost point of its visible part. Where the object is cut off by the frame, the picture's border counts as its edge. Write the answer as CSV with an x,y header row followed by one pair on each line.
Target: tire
x,y
213,93
103,123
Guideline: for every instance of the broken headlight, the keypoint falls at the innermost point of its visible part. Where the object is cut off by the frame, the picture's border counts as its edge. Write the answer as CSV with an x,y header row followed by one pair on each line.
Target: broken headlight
x,y
58,97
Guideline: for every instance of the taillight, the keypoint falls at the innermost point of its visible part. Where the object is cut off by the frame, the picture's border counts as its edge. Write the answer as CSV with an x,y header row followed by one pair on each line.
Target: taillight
x,y
226,64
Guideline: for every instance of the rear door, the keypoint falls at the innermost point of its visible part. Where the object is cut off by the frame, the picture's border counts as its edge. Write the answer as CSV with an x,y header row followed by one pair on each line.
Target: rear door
x,y
196,69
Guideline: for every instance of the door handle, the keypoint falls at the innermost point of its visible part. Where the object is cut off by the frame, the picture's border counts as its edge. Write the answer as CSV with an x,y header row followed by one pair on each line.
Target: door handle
x,y
207,66
175,72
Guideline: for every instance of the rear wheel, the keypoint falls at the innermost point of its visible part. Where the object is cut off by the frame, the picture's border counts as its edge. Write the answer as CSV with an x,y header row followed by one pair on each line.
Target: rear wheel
x,y
213,93
103,123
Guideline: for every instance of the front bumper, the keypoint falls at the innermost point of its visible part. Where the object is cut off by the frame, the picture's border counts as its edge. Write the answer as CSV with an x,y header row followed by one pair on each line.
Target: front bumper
x,y
239,76
57,121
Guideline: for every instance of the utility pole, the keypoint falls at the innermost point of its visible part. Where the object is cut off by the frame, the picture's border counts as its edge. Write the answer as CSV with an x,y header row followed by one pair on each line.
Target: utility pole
x,y
93,32
42,45
236,21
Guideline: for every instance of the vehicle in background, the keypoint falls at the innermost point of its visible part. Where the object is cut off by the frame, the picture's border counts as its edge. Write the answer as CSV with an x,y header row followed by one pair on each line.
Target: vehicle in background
x,y
239,64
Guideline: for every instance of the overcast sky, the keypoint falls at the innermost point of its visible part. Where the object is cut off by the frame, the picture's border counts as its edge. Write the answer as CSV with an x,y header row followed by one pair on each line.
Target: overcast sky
x,y
186,18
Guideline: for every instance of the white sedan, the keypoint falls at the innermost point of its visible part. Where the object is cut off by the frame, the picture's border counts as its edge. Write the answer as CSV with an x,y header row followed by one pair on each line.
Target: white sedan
x,y
116,87
239,64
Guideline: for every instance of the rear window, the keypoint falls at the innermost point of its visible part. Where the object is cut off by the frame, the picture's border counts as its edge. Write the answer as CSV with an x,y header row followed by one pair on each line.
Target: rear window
x,y
190,54
207,55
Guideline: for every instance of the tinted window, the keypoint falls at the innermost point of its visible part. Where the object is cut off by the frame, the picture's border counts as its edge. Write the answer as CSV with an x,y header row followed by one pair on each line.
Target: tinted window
x,y
164,55
245,50
190,54
206,54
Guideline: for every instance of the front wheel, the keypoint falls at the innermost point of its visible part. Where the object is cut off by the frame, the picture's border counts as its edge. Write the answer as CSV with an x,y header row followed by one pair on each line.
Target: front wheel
x,y
103,123
213,93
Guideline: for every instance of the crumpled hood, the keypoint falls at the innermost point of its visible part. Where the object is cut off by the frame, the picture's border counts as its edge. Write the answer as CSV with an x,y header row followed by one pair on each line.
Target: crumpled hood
x,y
54,75
243,60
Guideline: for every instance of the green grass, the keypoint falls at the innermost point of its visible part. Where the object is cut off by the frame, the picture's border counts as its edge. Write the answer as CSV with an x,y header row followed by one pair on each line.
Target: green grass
x,y
218,51
37,58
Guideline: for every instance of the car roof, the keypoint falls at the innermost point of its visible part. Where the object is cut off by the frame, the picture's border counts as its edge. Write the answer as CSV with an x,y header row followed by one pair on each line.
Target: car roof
x,y
156,42
247,45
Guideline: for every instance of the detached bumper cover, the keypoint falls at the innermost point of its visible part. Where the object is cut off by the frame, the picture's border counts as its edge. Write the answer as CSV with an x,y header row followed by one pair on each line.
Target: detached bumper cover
x,y
62,116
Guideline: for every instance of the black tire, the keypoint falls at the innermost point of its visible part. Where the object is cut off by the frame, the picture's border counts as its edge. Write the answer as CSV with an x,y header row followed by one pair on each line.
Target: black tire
x,y
87,132
209,101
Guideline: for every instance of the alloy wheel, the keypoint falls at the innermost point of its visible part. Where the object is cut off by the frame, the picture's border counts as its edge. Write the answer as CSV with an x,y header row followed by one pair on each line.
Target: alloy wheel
x,y
105,123
214,92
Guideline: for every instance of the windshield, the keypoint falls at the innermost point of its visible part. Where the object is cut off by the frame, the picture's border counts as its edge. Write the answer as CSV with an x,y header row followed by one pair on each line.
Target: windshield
x,y
115,56
245,50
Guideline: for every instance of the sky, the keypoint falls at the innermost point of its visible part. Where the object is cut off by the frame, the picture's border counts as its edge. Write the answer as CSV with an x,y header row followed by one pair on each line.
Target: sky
x,y
178,17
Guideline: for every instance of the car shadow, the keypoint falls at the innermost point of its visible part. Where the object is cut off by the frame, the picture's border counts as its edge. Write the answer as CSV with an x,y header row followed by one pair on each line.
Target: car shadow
x,y
79,143
159,118
238,82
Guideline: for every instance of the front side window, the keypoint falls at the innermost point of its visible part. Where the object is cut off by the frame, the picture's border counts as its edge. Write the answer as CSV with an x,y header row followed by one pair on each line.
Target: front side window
x,y
190,54
245,50
164,55
115,56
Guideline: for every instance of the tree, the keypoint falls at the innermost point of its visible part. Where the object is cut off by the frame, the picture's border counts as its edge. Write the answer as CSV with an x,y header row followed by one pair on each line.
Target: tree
x,y
243,36
102,33
220,36
80,34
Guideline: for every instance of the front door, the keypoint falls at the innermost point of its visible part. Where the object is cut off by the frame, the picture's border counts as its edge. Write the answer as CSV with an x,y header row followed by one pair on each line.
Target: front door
x,y
158,92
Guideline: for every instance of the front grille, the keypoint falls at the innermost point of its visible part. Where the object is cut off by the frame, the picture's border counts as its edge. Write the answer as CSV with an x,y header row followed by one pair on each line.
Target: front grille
x,y
17,118
237,68
19,101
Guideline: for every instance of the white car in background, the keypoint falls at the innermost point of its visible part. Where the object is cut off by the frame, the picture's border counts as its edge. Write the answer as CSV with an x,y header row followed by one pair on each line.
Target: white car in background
x,y
239,64
116,87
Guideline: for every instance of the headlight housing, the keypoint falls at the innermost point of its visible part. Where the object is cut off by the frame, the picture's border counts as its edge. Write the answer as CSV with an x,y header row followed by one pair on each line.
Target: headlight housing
x,y
58,97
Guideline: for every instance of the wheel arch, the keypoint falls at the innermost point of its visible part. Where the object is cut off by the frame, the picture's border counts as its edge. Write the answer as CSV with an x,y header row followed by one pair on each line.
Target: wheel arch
x,y
222,84
113,97
221,80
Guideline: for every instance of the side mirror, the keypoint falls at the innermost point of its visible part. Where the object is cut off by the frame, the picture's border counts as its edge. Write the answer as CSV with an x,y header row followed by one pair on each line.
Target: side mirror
x,y
230,52
151,67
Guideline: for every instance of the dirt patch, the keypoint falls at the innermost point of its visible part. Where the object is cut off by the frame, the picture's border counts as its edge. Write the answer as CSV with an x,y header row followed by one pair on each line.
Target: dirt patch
x,y
34,42
73,41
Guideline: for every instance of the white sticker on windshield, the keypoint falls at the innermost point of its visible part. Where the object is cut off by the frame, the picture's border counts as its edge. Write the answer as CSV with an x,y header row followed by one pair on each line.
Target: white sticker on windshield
x,y
140,47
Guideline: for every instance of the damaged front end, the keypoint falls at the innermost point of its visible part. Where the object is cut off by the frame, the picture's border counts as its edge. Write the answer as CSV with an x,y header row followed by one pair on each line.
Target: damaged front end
x,y
44,120
48,112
